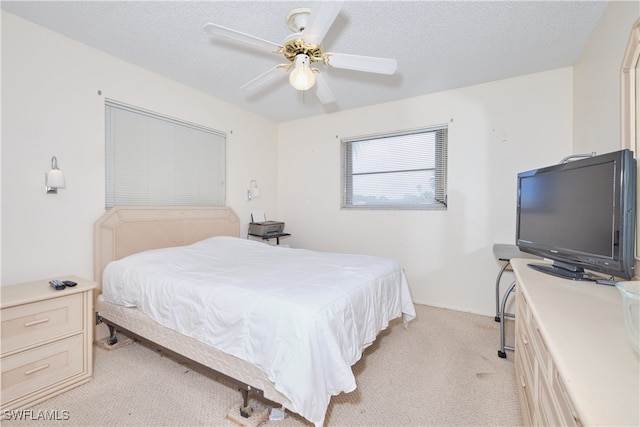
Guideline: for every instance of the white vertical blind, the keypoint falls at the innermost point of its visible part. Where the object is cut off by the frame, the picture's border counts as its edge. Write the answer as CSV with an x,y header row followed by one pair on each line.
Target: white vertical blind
x,y
152,160
402,170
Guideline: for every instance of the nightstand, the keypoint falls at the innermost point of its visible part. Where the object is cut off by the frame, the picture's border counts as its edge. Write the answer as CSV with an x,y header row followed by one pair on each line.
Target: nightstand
x,y
46,340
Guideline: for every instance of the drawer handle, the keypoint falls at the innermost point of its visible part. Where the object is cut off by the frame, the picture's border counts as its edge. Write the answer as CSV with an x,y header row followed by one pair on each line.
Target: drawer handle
x,y
37,322
525,340
524,384
34,370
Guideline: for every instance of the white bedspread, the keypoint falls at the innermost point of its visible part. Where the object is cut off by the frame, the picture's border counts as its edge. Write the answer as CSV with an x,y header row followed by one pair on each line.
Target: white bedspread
x,y
303,317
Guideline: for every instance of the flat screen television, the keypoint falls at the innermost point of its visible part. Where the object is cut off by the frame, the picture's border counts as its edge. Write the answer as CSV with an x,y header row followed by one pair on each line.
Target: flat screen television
x,y
581,215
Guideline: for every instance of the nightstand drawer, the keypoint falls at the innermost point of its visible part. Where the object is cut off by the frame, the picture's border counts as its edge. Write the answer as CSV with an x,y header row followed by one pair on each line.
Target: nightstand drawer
x,y
29,324
41,367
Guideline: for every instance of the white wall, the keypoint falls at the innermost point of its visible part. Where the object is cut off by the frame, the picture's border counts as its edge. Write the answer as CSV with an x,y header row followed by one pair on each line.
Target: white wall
x,y
495,131
596,80
597,85
51,106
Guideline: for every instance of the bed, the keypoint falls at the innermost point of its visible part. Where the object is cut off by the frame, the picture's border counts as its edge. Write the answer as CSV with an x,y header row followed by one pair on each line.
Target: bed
x,y
285,323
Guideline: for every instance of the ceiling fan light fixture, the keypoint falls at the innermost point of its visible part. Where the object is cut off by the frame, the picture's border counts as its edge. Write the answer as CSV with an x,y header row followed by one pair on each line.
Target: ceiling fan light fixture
x,y
302,78
303,47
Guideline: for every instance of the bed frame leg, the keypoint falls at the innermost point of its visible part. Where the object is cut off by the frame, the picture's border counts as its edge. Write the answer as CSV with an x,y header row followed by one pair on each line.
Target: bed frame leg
x,y
245,409
113,339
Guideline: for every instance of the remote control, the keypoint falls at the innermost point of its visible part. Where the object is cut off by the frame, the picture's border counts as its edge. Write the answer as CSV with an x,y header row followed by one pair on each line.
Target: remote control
x,y
57,285
69,283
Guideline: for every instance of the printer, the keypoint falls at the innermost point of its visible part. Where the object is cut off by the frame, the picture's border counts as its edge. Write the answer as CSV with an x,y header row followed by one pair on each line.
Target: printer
x,y
266,228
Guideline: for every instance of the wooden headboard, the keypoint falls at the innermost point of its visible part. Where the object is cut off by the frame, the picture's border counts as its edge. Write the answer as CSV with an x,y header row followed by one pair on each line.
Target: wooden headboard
x,y
126,230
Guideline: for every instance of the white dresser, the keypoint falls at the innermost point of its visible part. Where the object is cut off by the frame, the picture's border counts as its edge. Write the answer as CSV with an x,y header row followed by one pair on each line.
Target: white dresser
x,y
574,363
46,340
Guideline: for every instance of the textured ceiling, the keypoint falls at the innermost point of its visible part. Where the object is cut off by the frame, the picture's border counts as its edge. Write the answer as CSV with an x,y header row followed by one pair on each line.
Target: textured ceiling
x,y
439,45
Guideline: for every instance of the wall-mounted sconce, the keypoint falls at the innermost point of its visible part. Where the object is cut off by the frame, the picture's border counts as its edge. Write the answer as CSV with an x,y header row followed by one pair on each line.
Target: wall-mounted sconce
x,y
53,179
253,190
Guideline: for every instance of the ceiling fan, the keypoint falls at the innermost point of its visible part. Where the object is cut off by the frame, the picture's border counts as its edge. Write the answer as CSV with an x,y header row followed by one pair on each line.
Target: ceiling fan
x,y
303,48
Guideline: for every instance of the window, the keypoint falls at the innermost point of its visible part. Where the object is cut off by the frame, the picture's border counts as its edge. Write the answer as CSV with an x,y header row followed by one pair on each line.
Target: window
x,y
403,170
152,160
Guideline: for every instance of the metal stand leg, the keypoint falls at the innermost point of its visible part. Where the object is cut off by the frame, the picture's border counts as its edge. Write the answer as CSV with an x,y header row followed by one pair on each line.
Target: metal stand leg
x,y
501,352
502,270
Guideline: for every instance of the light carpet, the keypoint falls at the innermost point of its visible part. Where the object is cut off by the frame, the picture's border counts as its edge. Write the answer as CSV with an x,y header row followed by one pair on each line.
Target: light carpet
x,y
442,371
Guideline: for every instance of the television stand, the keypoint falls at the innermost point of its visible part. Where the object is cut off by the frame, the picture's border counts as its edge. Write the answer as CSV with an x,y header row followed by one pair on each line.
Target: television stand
x,y
565,273
574,363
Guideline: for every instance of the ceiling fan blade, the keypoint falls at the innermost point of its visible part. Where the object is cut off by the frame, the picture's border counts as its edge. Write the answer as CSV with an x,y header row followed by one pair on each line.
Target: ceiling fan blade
x,y
320,20
228,33
265,77
323,92
369,64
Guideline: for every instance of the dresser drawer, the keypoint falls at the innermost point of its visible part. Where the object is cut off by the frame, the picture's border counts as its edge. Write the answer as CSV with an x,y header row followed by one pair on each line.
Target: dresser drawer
x,y
30,324
563,402
549,414
41,367
525,384
522,308
540,348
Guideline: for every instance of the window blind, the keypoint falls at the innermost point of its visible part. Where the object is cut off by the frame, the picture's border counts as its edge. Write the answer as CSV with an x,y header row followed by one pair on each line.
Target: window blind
x,y
403,170
153,160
